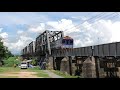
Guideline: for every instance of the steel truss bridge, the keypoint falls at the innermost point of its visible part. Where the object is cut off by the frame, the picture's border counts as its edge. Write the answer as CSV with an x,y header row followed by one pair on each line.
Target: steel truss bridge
x,y
107,56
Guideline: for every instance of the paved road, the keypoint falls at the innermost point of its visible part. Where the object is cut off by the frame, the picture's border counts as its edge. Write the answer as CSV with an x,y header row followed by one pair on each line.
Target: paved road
x,y
52,75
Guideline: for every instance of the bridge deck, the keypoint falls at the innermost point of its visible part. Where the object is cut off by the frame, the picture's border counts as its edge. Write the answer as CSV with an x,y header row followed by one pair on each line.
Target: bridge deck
x,y
110,49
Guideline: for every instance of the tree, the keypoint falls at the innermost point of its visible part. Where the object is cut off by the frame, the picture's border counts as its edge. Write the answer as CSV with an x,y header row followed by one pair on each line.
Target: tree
x,y
8,54
4,52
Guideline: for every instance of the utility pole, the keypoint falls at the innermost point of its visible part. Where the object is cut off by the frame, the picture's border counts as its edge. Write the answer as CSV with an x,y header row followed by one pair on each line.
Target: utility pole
x,y
98,41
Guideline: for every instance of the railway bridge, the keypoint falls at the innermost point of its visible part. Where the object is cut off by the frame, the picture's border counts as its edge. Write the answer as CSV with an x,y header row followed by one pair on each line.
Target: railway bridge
x,y
89,62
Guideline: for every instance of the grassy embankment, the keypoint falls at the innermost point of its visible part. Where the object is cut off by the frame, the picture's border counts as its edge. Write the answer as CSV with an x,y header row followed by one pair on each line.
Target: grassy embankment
x,y
63,74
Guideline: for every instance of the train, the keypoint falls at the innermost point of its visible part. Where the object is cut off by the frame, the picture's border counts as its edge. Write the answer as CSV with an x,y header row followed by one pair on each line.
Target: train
x,y
41,44
65,42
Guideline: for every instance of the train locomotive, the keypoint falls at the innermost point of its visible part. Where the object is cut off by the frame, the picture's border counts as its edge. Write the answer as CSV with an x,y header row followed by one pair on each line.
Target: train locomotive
x,y
63,43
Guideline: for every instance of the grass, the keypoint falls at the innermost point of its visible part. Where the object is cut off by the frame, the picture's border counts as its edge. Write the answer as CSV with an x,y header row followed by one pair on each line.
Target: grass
x,y
8,76
63,74
9,69
40,73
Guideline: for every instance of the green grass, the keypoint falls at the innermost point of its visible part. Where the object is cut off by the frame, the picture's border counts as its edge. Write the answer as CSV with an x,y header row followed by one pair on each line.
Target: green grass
x,y
63,74
9,69
40,73
8,76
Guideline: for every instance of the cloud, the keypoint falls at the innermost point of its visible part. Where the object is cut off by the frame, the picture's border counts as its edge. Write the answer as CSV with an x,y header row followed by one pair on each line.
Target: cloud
x,y
4,35
17,43
85,34
62,25
37,29
115,29
9,18
20,32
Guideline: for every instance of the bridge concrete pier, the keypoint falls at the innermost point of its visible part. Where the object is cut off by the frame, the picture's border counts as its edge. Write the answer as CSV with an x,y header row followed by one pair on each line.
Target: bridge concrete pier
x,y
86,65
66,65
63,64
88,69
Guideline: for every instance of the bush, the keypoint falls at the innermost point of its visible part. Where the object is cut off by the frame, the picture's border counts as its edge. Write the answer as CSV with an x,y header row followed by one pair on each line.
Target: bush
x,y
11,61
34,62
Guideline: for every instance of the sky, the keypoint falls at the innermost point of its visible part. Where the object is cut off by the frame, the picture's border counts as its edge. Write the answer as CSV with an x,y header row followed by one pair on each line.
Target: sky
x,y
18,29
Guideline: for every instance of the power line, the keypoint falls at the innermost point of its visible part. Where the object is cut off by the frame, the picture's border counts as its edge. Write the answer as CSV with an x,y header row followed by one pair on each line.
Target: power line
x,y
87,20
98,19
103,17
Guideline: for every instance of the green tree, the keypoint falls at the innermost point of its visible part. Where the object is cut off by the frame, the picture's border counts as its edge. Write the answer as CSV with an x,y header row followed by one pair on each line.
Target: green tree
x,y
11,61
34,62
4,53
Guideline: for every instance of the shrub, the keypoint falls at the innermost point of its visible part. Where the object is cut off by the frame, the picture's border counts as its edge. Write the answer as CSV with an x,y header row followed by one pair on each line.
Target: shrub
x,y
34,62
11,61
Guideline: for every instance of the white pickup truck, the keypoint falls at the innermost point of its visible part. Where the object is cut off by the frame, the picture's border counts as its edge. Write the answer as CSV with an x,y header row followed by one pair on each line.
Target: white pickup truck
x,y
24,65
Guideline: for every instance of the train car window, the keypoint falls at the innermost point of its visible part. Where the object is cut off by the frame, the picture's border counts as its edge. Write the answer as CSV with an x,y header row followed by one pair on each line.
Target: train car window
x,y
63,41
71,42
67,42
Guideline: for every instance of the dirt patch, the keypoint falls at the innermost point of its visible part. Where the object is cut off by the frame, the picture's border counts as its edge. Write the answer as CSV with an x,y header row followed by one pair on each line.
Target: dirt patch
x,y
52,75
21,74
24,74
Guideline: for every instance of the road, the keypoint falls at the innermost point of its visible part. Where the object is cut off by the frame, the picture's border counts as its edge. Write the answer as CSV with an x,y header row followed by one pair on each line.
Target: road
x,y
28,73
21,74
52,75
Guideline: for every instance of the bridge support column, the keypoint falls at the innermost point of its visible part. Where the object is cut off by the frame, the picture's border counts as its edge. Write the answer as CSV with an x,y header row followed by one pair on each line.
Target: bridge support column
x,y
58,62
88,69
70,65
110,65
66,66
97,66
54,67
79,64
50,63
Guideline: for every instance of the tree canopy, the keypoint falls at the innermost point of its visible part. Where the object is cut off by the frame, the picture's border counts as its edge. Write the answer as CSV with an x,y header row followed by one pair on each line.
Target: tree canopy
x,y
4,52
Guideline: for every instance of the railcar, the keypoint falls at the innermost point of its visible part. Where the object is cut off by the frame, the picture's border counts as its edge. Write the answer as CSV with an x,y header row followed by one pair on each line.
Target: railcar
x,y
65,42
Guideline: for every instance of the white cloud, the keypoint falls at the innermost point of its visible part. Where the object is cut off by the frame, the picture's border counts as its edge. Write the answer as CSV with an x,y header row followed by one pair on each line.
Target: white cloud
x,y
37,29
18,44
4,35
65,25
98,32
9,18
115,29
101,31
20,32
60,25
